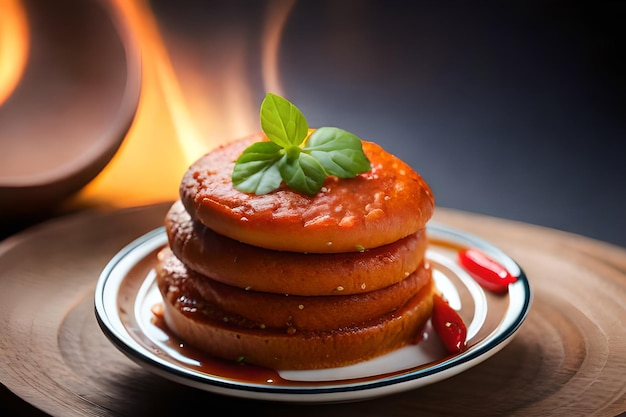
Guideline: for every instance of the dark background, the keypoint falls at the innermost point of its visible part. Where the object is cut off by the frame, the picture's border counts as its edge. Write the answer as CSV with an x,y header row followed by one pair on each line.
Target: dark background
x,y
511,109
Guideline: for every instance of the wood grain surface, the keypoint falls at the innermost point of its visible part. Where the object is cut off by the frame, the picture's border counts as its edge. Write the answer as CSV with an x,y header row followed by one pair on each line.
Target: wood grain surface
x,y
568,358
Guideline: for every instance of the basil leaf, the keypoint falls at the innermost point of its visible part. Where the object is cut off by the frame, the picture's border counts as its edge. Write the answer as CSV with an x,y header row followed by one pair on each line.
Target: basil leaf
x,y
256,169
282,122
338,151
304,173
263,166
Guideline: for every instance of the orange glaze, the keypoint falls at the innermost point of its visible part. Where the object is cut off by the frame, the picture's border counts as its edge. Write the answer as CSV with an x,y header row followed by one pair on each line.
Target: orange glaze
x,y
446,244
376,208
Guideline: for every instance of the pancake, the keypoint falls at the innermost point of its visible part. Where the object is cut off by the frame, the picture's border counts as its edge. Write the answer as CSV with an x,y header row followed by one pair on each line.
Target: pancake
x,y
250,267
374,209
253,309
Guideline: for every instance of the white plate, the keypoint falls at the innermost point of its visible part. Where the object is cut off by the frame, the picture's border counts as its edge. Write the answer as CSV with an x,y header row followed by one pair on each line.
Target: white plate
x,y
127,292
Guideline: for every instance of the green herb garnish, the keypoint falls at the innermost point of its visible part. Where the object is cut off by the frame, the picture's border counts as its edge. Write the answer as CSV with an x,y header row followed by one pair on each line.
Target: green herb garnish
x,y
301,160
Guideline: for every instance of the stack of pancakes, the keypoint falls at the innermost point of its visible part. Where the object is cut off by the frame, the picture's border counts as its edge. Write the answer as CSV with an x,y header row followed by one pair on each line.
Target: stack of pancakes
x,y
289,281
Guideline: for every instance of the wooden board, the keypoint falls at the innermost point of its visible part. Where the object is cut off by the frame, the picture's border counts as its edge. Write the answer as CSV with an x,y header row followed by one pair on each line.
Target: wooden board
x,y
568,358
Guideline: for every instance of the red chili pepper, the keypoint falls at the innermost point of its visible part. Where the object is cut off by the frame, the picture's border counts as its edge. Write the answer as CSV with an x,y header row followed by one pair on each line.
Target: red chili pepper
x,y
448,325
489,273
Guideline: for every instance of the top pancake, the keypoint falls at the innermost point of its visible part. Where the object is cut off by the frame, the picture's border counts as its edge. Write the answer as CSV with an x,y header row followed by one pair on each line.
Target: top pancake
x,y
373,209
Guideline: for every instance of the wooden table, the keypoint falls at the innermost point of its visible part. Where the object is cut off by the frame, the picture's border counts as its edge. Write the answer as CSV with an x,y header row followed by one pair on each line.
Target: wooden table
x,y
568,357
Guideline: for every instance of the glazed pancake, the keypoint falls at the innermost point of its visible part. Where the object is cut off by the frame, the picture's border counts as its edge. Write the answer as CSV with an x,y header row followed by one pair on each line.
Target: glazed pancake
x,y
197,315
374,209
253,309
254,268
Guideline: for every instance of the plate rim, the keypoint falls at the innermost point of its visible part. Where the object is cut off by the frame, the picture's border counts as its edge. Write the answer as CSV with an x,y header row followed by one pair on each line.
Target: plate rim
x,y
349,391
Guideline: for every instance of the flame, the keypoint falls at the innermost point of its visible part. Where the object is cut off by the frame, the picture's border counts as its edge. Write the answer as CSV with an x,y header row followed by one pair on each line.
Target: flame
x,y
14,45
278,12
177,122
